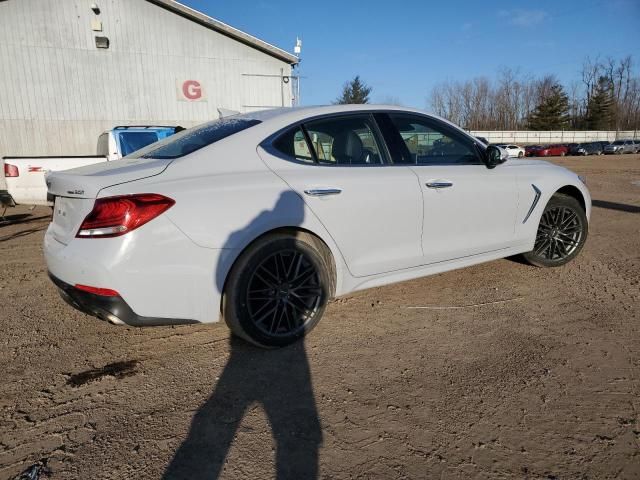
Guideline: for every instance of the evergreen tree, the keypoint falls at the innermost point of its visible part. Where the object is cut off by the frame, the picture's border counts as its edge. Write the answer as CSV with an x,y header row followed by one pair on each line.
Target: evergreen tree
x,y
600,106
552,113
355,91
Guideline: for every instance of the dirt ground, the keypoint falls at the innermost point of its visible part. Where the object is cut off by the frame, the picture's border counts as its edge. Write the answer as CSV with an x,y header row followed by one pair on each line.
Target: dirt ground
x,y
542,384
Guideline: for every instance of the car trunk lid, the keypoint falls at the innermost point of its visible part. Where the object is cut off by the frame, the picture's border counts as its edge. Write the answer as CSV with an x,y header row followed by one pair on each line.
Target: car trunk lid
x,y
75,190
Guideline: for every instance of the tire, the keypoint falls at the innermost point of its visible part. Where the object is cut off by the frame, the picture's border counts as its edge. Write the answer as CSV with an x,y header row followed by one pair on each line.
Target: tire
x,y
278,289
561,234
562,154
520,154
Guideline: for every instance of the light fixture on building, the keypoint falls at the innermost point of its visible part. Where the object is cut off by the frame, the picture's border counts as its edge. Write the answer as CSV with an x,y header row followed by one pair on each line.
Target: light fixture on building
x,y
298,48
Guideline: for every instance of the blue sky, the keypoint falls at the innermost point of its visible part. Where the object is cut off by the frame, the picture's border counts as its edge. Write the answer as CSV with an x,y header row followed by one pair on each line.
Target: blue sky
x,y
402,49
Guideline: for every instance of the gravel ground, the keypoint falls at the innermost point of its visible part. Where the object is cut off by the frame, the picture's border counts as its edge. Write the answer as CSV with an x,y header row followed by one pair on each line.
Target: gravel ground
x,y
542,384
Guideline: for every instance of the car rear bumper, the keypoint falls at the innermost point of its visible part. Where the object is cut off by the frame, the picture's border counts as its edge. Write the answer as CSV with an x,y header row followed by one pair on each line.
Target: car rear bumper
x,y
160,276
111,309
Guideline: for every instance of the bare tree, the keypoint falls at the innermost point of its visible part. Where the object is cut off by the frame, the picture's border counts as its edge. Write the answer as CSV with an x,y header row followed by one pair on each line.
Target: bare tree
x,y
509,100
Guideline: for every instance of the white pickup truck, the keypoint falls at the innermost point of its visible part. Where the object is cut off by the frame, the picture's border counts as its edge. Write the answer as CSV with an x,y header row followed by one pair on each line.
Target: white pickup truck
x,y
24,176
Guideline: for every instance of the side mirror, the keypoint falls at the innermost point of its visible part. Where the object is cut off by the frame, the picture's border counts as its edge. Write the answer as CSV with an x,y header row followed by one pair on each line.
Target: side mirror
x,y
495,156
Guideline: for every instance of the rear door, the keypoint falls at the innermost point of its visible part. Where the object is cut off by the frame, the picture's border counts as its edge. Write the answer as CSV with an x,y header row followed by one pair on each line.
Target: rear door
x,y
468,208
373,211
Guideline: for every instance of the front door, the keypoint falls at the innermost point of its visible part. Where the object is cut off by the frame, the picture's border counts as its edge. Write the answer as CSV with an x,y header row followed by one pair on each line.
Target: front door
x,y
468,208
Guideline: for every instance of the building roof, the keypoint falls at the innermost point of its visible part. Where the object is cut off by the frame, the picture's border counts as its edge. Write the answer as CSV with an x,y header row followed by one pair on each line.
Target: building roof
x,y
223,28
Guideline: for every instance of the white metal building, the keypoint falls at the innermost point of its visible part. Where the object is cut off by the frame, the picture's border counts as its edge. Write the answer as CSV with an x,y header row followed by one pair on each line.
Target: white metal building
x,y
70,69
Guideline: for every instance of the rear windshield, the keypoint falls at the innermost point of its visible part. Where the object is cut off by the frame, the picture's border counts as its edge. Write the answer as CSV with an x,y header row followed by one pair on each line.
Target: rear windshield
x,y
193,139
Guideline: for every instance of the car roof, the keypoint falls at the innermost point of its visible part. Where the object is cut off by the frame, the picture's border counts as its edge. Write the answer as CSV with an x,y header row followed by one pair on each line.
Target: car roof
x,y
293,114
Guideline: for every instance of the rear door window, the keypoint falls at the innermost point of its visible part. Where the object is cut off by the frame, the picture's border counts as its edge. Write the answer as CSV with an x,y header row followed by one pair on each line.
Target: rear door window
x,y
349,140
293,144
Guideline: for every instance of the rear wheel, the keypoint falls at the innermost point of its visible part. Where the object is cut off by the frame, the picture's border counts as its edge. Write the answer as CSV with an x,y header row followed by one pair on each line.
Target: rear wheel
x,y
278,289
561,234
520,154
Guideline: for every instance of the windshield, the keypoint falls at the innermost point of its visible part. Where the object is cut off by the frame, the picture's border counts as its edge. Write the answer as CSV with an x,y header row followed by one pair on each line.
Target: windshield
x,y
132,141
195,138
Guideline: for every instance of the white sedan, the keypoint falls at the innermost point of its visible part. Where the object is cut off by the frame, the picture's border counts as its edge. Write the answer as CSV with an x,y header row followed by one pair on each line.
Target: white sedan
x,y
513,150
262,218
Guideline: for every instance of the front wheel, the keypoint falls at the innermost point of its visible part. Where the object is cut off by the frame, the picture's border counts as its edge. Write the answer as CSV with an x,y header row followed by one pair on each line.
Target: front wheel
x,y
278,289
561,234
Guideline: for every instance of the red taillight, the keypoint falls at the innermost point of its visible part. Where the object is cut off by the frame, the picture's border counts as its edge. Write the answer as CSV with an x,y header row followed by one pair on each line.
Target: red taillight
x,y
11,170
103,292
115,216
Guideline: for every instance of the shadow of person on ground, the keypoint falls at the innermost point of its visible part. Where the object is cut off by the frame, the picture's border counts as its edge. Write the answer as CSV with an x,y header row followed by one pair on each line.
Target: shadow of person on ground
x,y
277,380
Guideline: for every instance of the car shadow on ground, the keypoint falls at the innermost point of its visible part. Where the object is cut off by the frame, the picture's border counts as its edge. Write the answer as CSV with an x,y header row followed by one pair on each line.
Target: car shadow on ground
x,y
622,207
277,380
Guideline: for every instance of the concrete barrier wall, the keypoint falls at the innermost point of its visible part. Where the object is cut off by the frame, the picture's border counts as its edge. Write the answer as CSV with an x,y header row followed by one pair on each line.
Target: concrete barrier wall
x,y
542,137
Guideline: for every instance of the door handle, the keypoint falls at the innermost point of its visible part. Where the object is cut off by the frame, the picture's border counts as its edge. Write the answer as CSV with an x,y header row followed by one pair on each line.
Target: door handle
x,y
439,184
322,192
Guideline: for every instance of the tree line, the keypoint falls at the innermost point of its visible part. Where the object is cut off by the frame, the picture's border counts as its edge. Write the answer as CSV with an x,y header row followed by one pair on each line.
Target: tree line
x,y
607,97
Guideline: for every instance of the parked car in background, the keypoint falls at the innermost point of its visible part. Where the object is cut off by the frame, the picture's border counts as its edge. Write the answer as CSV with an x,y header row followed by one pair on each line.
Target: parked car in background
x,y
588,148
122,140
258,209
529,149
25,175
619,147
637,145
513,150
602,143
555,150
571,146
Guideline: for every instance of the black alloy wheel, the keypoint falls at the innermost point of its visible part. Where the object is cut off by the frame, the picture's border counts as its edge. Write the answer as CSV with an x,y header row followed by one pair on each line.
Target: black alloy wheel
x,y
278,289
284,293
561,233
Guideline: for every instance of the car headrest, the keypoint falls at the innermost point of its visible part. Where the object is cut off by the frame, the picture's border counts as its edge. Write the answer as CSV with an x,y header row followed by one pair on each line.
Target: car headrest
x,y
347,148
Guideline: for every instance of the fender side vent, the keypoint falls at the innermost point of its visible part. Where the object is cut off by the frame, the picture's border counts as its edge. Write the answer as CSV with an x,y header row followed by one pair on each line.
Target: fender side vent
x,y
533,205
